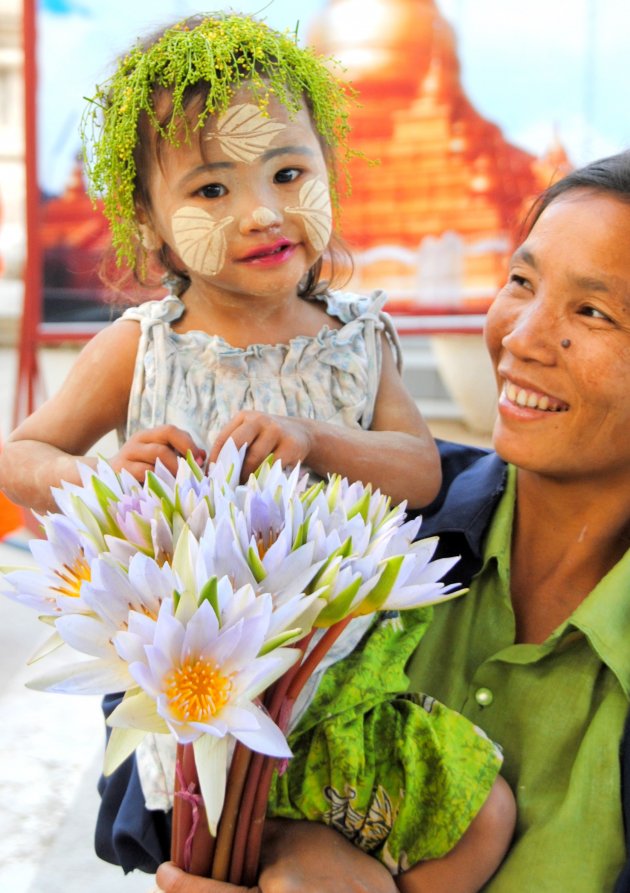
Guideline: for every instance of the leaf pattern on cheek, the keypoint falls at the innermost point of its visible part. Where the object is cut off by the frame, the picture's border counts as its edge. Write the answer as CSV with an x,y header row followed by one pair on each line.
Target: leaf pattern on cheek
x,y
316,211
244,132
200,240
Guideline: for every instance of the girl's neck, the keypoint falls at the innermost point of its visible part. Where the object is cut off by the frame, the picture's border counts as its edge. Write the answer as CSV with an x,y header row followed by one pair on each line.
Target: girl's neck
x,y
241,321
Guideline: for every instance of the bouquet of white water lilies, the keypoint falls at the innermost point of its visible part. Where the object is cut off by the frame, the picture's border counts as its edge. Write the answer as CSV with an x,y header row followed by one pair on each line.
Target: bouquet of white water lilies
x,y
209,603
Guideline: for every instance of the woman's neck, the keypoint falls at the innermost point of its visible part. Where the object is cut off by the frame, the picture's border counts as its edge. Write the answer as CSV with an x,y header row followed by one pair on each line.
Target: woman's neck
x,y
566,537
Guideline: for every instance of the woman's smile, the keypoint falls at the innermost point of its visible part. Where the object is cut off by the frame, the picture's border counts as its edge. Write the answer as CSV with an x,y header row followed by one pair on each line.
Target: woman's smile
x,y
527,398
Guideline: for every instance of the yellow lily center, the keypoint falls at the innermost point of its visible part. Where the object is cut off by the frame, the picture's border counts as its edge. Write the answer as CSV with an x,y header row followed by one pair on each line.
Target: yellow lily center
x,y
197,690
265,540
72,577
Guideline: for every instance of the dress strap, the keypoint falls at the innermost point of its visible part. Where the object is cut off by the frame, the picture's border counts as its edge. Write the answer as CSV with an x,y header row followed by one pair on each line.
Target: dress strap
x,y
155,318
377,321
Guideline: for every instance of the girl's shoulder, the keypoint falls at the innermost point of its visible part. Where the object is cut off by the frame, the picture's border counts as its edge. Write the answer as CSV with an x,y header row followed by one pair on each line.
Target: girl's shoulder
x,y
348,306
164,310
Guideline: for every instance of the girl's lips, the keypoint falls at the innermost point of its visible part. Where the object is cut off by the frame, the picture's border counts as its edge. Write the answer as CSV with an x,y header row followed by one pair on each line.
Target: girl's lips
x,y
527,398
274,253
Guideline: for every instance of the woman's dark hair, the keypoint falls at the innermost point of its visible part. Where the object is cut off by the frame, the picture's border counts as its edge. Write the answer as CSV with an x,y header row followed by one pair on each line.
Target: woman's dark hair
x,y
609,175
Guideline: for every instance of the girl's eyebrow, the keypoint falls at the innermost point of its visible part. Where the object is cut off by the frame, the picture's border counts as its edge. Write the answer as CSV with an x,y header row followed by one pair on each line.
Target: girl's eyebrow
x,y
207,167
286,150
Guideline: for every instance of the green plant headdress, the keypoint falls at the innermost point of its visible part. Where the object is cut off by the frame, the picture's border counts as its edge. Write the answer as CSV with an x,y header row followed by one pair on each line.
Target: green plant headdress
x,y
222,51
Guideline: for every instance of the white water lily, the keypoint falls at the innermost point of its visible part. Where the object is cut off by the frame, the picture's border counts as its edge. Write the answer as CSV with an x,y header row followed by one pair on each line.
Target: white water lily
x,y
370,559
199,562
64,558
111,596
199,681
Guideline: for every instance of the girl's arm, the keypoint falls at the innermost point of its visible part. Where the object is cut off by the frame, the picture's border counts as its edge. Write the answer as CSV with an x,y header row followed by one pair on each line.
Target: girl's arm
x,y
398,455
92,401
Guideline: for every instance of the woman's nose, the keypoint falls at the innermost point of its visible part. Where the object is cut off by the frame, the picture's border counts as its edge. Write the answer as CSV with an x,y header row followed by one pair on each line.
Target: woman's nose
x,y
533,333
259,218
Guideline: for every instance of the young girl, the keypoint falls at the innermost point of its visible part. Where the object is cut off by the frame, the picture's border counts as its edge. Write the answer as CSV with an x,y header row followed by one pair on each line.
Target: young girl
x,y
213,149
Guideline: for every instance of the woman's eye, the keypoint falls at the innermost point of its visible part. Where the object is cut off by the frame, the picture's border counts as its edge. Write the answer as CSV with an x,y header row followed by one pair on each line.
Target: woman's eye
x,y
213,190
594,313
515,279
287,175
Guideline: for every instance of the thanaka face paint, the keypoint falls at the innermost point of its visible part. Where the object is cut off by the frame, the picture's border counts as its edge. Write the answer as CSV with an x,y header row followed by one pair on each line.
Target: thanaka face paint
x,y
315,209
200,239
264,216
244,133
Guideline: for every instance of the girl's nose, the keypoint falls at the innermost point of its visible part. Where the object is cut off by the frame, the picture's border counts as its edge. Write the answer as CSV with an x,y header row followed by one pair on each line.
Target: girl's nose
x,y
260,218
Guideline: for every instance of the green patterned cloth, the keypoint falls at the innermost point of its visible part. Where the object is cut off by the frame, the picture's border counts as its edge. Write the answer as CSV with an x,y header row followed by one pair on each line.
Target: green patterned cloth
x,y
399,774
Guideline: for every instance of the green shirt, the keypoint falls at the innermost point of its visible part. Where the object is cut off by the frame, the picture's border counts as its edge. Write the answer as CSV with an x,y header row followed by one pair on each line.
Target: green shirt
x,y
557,709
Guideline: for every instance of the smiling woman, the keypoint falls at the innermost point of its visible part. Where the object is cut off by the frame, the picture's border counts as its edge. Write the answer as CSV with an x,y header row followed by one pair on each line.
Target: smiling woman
x,y
564,412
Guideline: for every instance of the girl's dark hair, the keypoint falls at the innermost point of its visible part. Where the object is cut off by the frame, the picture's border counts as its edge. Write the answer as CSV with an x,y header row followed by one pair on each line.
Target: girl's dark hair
x,y
609,175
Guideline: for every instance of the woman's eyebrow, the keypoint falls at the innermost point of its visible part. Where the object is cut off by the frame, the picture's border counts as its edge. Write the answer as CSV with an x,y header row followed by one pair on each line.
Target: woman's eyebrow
x,y
606,285
525,255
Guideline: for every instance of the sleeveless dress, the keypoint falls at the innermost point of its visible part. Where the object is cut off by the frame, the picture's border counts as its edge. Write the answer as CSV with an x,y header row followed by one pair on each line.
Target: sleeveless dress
x,y
399,774
199,382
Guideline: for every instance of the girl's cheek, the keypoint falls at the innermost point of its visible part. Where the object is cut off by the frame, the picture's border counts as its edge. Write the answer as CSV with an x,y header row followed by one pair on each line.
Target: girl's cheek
x,y
315,210
200,239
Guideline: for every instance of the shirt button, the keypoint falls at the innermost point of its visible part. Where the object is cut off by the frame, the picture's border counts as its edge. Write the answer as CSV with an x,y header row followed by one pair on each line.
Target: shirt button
x,y
484,697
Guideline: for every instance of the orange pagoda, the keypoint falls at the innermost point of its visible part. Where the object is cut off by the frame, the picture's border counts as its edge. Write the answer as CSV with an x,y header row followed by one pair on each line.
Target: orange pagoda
x,y
434,222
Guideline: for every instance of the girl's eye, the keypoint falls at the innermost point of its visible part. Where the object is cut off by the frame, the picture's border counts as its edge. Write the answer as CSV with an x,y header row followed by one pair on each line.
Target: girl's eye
x,y
213,190
287,175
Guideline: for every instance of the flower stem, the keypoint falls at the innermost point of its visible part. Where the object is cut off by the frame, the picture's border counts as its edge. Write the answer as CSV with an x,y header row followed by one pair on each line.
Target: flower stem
x,y
261,768
257,823
243,830
228,825
311,661
192,845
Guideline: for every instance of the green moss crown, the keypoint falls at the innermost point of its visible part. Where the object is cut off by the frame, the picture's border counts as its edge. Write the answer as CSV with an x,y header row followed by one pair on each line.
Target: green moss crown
x,y
222,51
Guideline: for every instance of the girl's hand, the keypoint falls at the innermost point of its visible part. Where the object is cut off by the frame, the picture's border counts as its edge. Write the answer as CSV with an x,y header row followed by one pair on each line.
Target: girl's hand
x,y
287,438
166,443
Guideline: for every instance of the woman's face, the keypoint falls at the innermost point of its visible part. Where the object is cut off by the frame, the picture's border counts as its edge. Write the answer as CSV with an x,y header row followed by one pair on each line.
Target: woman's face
x,y
558,334
246,210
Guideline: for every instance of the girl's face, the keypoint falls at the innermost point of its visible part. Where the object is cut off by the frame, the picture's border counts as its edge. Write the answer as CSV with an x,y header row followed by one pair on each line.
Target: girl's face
x,y
558,334
246,210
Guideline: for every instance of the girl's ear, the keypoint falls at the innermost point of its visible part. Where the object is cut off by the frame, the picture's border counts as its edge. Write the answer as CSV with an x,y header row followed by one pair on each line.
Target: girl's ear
x,y
149,238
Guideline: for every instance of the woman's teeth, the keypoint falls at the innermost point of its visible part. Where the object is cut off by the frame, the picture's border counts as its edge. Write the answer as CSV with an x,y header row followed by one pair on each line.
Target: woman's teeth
x,y
531,399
